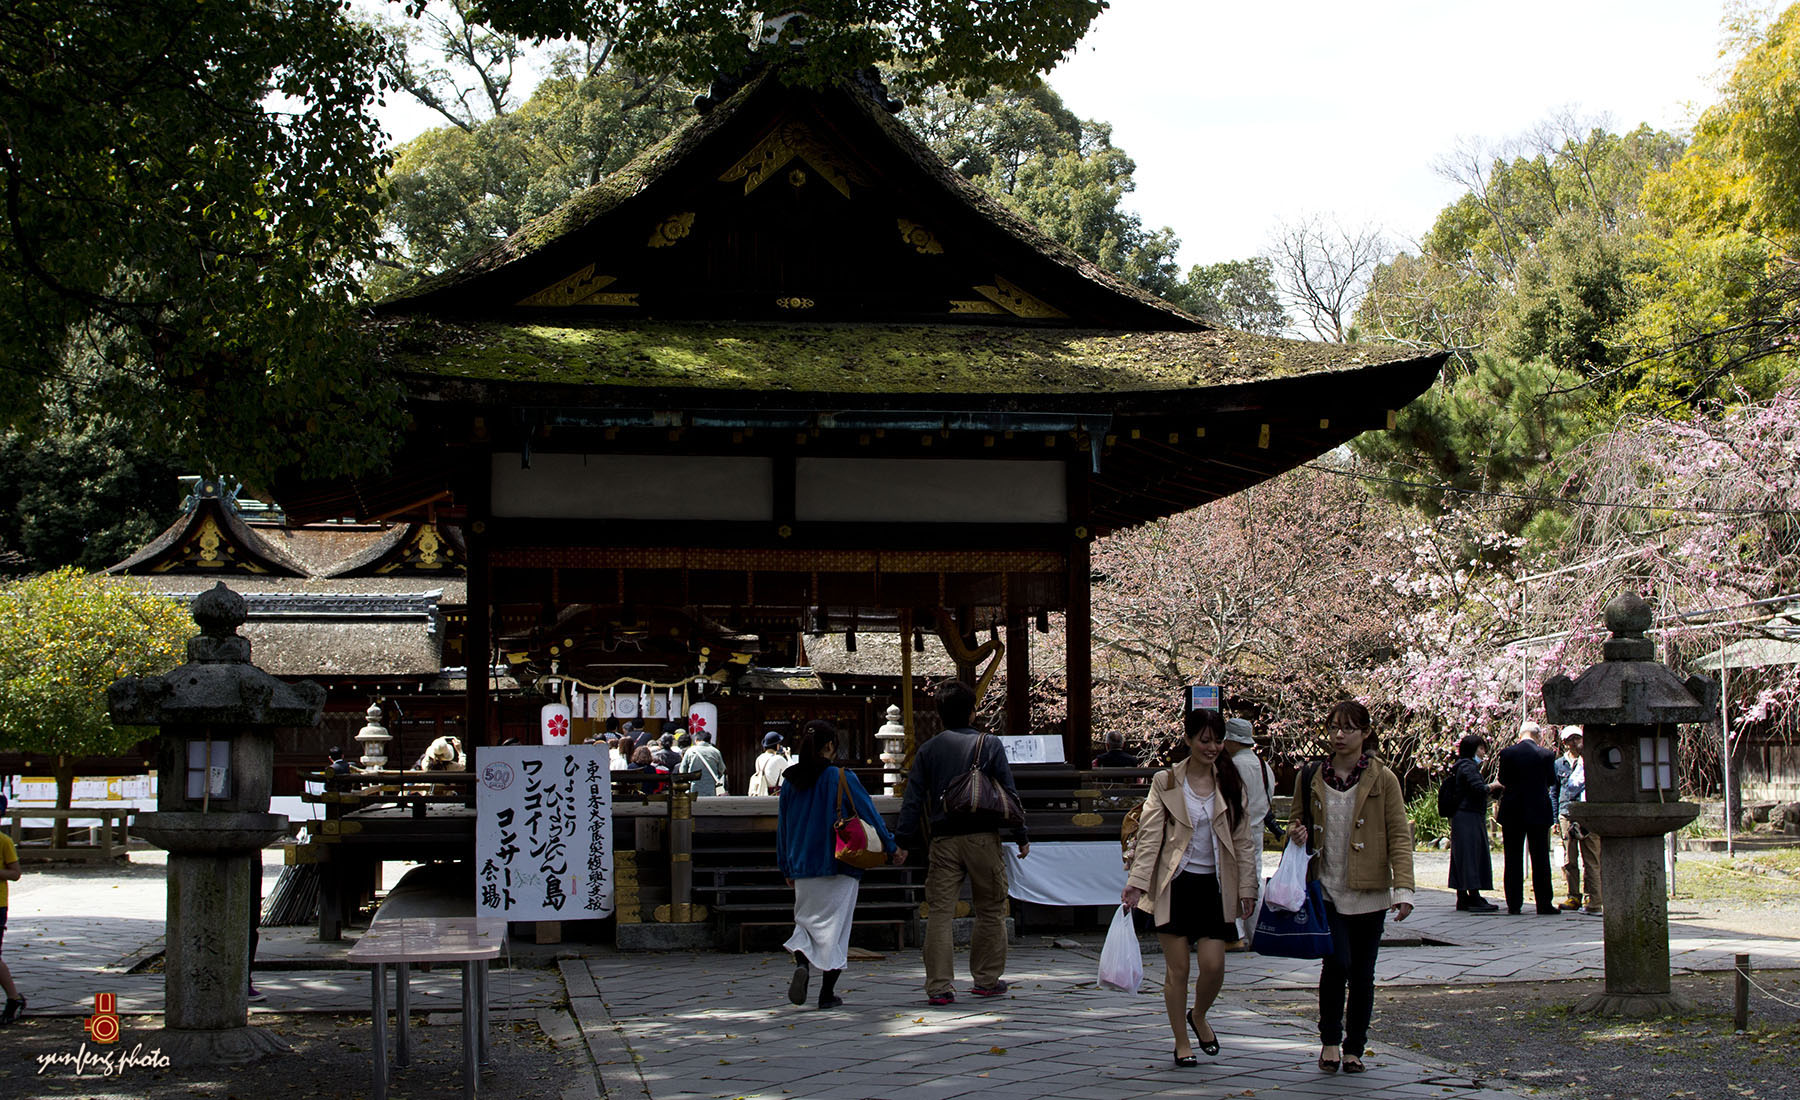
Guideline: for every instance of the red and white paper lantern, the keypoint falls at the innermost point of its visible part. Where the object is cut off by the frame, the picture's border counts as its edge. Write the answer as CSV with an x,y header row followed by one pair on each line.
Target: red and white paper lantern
x,y
553,723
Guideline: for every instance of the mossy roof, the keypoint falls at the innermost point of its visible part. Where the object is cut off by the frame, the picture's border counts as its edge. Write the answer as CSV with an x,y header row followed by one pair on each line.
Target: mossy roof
x,y
760,99
855,359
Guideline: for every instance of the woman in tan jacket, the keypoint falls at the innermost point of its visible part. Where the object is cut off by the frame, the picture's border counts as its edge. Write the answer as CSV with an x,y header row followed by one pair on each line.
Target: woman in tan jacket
x,y
1193,869
1365,843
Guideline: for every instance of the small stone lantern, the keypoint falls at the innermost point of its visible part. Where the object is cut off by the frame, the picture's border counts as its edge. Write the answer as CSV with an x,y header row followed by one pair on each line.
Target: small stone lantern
x,y
893,750
1630,707
374,738
217,715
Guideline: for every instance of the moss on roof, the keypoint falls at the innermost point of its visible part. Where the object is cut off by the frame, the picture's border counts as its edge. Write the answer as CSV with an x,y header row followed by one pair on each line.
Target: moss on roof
x,y
849,358
594,203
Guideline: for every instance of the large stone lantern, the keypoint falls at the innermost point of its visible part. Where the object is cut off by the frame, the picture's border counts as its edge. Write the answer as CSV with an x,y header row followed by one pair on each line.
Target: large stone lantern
x,y
217,715
1630,706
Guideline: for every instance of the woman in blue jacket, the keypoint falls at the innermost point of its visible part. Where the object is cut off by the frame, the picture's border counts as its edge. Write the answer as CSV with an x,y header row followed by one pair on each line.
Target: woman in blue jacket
x,y
824,889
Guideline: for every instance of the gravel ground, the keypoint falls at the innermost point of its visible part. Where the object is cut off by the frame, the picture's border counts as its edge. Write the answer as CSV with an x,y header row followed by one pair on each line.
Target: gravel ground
x,y
1523,1036
330,1059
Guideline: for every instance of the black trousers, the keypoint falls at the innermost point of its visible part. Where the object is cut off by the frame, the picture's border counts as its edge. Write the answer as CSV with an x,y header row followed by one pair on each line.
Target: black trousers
x,y
1517,839
1355,941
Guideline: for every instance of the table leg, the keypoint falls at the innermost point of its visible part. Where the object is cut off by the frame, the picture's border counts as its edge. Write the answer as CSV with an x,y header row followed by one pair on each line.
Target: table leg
x,y
402,1013
481,999
378,1019
471,1074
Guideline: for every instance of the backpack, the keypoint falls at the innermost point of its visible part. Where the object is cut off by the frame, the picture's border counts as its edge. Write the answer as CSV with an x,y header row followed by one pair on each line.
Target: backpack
x,y
1449,794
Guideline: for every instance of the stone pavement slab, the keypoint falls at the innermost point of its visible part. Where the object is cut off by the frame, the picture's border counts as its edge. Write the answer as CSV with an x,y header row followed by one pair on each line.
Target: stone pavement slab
x,y
719,1026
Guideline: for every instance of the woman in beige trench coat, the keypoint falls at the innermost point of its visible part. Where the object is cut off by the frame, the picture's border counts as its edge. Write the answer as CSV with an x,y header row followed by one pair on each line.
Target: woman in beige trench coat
x,y
1195,881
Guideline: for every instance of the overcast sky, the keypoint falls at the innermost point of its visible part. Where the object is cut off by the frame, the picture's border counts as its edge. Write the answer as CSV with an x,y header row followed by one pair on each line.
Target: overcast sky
x,y
1242,115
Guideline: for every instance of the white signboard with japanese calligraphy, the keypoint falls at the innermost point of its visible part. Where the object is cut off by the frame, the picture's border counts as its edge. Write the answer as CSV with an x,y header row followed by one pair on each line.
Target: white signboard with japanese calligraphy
x,y
1033,750
543,833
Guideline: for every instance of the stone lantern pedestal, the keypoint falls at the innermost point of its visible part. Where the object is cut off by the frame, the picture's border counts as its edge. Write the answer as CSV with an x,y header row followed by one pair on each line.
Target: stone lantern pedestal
x,y
217,715
1630,707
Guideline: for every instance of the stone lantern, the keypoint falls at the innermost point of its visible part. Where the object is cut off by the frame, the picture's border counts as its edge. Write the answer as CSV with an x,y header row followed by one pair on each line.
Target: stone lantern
x,y
1630,707
217,716
893,751
374,738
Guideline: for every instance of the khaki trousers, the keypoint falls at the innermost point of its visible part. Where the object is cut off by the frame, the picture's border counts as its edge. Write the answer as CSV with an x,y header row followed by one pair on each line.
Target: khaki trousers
x,y
975,857
1590,868
1571,866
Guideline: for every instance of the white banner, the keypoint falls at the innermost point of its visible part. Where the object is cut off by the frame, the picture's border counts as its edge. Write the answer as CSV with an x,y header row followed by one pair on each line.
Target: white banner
x,y
1077,872
543,833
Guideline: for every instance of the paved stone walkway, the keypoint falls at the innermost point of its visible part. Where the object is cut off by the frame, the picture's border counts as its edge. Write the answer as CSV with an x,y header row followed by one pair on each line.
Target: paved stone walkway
x,y
1054,1034
684,1026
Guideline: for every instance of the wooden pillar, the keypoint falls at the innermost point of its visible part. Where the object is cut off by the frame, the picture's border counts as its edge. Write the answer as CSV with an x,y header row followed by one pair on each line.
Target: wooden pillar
x,y
1078,735
1018,673
911,744
478,643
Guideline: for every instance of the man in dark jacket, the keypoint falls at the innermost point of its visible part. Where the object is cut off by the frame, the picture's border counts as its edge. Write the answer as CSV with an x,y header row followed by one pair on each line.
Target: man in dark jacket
x,y
962,847
1526,812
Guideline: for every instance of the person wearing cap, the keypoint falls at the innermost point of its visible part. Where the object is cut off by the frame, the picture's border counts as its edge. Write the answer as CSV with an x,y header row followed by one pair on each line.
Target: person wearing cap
x,y
765,778
1581,849
334,757
1526,813
1259,781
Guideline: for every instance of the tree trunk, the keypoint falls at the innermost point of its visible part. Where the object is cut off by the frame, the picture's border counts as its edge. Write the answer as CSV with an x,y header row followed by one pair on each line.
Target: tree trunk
x,y
65,793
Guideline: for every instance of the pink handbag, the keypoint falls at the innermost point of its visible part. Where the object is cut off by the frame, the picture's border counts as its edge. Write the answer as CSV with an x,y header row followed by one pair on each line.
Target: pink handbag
x,y
855,841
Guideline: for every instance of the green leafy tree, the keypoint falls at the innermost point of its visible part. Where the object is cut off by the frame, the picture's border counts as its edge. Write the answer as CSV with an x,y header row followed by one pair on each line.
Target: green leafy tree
x,y
947,42
64,637
1499,427
456,190
1061,173
87,496
1239,294
189,194
1540,216
1718,285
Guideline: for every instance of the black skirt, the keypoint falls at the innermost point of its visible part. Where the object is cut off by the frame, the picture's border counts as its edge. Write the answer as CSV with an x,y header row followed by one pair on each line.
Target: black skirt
x,y
1196,911
1471,864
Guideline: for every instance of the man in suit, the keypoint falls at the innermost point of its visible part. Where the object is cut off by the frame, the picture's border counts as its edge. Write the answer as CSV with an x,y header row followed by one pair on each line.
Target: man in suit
x,y
1526,812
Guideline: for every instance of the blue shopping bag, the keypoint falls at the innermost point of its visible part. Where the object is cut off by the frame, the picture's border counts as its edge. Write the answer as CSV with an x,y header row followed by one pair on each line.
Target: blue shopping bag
x,y
1304,933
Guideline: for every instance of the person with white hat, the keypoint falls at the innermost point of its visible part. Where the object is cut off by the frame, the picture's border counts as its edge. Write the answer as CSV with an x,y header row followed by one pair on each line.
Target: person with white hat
x,y
1259,781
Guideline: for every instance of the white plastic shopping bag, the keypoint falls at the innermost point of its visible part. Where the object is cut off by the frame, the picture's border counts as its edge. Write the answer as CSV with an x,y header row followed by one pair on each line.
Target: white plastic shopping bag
x,y
1121,960
1287,886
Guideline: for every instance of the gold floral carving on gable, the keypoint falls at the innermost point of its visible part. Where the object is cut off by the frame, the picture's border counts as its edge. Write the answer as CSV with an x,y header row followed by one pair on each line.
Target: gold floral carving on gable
x,y
584,288
922,240
208,548
672,229
426,551
1006,297
787,142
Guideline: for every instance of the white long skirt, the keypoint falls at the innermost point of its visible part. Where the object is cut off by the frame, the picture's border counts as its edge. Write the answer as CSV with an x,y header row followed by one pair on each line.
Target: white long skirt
x,y
823,909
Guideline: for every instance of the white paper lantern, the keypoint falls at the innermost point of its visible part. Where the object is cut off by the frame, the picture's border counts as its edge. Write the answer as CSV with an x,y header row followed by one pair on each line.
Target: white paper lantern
x,y
553,723
704,716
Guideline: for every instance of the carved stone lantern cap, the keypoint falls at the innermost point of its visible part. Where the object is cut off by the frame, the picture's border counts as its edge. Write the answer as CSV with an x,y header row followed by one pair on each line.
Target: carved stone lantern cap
x,y
218,686
1629,687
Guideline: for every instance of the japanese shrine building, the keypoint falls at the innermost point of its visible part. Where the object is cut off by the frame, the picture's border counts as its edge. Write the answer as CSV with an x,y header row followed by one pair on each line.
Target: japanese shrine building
x,y
788,374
